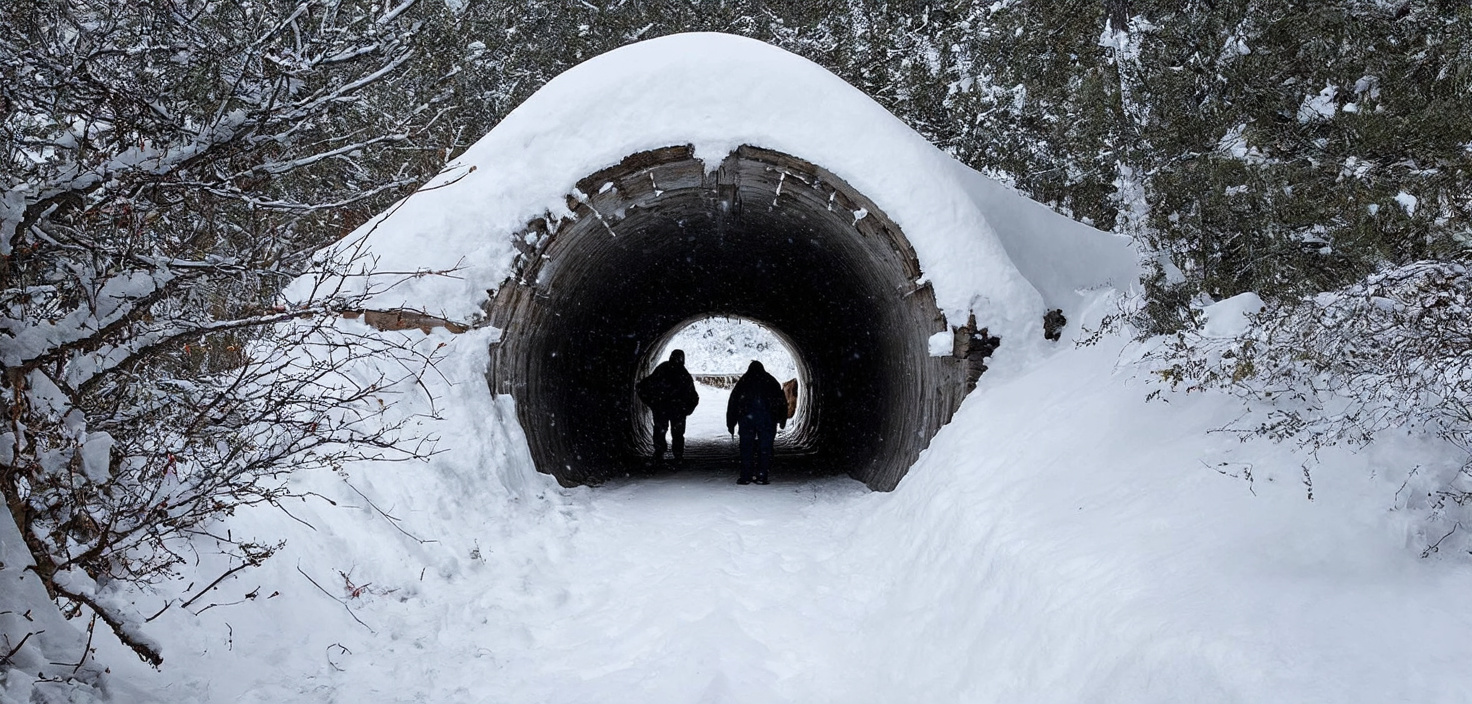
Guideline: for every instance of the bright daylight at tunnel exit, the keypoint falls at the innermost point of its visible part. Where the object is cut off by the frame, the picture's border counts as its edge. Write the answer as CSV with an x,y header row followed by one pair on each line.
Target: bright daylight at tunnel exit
x,y
716,352
715,372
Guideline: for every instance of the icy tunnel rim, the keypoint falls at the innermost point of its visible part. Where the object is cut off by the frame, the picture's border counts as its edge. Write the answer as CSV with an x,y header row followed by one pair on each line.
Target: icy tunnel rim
x,y
853,265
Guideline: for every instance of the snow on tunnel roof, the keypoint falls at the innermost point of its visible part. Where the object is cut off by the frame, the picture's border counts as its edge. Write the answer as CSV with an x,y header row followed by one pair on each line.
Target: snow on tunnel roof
x,y
981,245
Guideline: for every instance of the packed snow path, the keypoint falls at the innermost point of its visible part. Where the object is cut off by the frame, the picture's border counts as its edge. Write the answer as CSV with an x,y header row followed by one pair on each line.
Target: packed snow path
x,y
1060,542
683,588
692,588
688,587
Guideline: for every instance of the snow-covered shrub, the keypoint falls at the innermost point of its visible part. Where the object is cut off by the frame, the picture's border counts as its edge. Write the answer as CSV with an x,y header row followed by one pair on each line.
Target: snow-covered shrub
x,y
165,170
1391,352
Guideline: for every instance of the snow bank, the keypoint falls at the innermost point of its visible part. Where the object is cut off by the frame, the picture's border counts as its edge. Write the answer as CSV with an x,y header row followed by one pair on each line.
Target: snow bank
x,y
1064,540
1231,317
375,552
33,629
982,246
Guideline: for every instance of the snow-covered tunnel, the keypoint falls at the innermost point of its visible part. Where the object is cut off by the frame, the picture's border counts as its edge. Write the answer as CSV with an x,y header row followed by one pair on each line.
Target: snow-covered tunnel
x,y
705,174
657,241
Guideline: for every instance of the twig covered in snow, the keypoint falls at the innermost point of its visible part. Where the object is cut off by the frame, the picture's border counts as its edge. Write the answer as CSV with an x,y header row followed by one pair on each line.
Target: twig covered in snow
x,y
336,599
392,520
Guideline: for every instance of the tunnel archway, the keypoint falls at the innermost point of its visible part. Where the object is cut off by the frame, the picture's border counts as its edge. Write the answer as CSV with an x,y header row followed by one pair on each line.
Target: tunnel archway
x,y
658,240
568,302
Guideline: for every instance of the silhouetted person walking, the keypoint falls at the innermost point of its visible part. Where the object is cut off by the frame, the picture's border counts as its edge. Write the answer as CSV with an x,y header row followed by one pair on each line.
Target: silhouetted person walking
x,y
758,406
670,394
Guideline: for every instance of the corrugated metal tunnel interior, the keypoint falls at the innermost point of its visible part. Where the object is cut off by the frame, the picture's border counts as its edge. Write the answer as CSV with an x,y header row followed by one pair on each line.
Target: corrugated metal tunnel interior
x,y
656,242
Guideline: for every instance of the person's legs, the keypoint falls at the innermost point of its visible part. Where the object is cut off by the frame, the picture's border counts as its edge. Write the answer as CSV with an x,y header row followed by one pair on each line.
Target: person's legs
x,y
677,437
766,437
661,424
748,455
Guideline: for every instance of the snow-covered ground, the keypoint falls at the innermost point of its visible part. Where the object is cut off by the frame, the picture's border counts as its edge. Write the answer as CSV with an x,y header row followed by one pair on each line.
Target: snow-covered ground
x,y
1063,540
709,419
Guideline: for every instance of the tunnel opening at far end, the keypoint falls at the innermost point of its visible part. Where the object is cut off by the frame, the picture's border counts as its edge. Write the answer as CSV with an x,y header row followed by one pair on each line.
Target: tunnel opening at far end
x,y
718,351
658,241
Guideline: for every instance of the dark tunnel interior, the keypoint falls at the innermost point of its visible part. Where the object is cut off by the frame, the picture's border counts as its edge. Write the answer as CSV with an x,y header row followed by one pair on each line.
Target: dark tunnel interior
x,y
657,242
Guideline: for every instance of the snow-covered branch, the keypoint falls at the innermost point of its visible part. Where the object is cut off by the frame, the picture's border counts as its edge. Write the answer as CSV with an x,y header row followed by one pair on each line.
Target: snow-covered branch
x,y
167,170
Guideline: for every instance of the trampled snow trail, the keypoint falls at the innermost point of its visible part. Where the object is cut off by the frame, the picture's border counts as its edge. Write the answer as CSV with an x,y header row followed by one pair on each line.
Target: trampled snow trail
x,y
691,588
679,588
688,587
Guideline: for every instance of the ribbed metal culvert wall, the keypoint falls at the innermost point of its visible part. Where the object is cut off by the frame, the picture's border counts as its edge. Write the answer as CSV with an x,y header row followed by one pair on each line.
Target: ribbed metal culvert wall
x,y
656,242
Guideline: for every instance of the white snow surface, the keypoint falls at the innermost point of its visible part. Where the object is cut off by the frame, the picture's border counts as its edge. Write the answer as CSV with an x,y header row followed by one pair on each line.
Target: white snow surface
x,y
1230,318
1062,540
1407,201
982,246
28,619
1320,107
941,344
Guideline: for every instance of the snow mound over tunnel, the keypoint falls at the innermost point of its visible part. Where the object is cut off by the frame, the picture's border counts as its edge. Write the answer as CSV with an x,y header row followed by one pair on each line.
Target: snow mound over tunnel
x,y
707,174
984,248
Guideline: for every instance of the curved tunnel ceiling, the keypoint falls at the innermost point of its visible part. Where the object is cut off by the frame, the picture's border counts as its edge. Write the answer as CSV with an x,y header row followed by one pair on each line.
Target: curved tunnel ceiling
x,y
657,241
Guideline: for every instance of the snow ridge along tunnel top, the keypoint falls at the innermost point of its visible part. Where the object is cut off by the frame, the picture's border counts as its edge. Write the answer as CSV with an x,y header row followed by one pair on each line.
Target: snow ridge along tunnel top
x,y
708,174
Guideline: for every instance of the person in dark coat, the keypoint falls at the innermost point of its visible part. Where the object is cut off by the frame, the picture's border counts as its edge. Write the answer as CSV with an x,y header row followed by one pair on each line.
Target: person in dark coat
x,y
670,394
758,406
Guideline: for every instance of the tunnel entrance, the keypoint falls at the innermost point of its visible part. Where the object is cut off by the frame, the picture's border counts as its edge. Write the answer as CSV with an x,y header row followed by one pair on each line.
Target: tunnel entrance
x,y
658,241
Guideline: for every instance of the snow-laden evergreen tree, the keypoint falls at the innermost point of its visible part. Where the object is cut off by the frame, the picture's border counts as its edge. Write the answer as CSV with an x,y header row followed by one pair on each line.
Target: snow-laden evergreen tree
x,y
1296,147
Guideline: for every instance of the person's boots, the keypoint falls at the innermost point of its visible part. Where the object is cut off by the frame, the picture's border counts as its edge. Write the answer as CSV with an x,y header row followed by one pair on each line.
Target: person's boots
x,y
762,480
744,480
